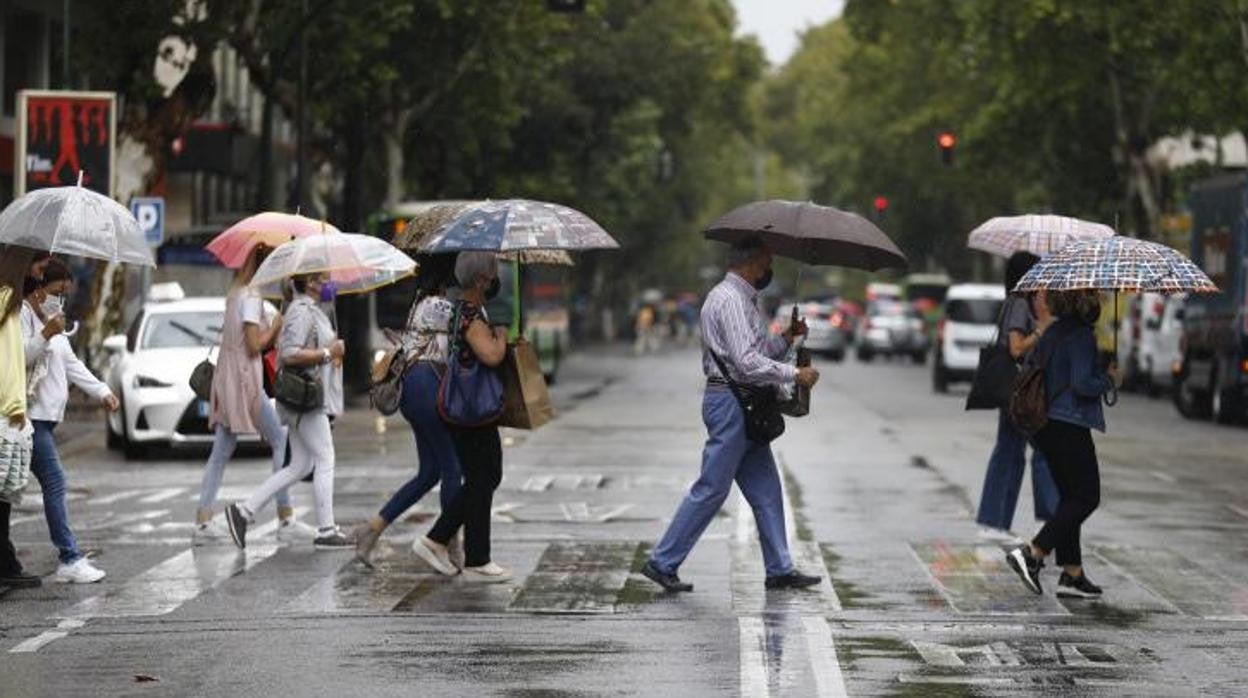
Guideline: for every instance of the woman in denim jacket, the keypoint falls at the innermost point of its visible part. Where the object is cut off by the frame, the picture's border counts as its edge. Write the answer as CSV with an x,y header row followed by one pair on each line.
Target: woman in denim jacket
x,y
1074,386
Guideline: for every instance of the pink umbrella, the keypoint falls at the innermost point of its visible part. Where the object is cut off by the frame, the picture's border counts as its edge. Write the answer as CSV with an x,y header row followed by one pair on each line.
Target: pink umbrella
x,y
270,228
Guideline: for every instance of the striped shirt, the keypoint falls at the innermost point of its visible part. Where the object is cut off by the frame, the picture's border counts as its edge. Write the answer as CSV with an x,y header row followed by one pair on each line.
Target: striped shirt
x,y
733,328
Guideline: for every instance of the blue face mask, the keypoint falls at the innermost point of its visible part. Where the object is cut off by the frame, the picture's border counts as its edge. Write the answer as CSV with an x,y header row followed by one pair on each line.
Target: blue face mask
x,y
329,291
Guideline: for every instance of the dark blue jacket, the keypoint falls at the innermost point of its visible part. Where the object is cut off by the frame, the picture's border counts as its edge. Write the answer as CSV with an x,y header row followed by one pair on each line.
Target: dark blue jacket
x,y
1074,381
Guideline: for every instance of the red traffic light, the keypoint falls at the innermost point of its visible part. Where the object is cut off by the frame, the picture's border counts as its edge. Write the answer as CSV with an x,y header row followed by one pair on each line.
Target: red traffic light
x,y
881,204
946,140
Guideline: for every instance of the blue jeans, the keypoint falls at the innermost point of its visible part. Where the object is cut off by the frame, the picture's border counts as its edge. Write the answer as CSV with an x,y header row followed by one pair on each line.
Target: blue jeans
x,y
438,462
728,456
45,463
224,442
1004,479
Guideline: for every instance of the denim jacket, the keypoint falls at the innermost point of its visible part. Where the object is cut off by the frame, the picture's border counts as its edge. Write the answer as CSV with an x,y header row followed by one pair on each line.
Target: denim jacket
x,y
1074,381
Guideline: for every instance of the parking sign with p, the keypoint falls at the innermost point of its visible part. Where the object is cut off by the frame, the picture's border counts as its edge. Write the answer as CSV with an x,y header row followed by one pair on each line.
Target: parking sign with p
x,y
150,213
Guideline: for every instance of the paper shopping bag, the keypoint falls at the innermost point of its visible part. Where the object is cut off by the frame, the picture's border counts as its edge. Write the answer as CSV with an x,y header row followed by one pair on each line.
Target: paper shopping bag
x,y
526,402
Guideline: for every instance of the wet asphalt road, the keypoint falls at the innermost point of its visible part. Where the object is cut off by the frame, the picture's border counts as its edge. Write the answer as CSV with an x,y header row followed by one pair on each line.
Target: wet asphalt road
x,y
882,480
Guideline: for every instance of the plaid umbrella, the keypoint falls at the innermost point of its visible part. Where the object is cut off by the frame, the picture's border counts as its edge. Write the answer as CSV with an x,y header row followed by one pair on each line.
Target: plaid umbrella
x,y
514,225
1116,264
1037,234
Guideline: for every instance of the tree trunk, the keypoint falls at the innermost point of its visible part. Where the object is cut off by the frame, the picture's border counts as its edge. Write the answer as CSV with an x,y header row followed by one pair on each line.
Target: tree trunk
x,y
393,138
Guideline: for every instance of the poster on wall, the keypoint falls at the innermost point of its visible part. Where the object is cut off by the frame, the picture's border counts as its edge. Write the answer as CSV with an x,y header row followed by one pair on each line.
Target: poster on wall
x,y
63,133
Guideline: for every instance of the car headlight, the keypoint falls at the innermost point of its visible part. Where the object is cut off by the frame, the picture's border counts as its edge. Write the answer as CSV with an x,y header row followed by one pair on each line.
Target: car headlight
x,y
149,382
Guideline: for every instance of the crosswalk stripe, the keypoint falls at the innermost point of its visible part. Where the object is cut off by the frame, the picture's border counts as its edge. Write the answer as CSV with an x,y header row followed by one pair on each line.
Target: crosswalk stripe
x,y
823,660
115,497
577,577
25,519
162,495
35,643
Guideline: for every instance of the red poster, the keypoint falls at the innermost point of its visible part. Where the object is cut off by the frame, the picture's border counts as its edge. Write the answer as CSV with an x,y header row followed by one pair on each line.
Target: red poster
x,y
61,134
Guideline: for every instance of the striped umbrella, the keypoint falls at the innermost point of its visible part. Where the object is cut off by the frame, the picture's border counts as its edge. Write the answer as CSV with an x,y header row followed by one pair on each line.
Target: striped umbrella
x,y
1037,234
1116,264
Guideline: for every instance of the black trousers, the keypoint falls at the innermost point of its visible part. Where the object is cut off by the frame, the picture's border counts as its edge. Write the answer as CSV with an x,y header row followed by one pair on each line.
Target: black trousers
x,y
480,455
1072,460
8,554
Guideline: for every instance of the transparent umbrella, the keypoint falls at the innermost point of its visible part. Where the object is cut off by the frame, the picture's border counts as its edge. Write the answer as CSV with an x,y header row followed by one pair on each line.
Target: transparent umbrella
x,y
75,221
355,263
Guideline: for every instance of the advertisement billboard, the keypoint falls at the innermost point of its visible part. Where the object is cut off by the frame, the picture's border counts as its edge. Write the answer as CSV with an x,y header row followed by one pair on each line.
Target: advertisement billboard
x,y
63,133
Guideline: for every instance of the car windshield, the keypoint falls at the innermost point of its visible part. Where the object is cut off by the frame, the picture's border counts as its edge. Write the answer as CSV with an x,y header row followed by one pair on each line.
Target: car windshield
x,y
180,330
978,311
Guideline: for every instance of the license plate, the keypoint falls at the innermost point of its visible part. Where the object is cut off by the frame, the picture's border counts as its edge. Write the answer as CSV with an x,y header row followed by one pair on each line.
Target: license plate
x,y
203,408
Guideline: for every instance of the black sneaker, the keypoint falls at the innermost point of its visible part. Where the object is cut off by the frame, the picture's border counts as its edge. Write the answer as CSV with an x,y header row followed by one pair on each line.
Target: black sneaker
x,y
1077,587
20,580
238,525
1027,567
792,580
332,538
669,582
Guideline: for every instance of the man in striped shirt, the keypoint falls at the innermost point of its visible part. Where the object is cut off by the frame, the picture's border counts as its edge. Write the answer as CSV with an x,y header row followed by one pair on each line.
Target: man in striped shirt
x,y
733,329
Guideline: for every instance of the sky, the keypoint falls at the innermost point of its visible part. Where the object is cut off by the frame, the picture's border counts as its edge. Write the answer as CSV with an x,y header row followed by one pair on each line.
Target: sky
x,y
776,23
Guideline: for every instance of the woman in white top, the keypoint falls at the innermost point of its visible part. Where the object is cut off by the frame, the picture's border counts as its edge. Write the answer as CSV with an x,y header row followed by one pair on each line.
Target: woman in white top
x,y
47,395
308,344
424,344
239,405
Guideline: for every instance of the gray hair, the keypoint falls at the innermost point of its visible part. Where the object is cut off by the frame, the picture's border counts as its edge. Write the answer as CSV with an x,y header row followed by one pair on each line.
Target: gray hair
x,y
471,265
745,251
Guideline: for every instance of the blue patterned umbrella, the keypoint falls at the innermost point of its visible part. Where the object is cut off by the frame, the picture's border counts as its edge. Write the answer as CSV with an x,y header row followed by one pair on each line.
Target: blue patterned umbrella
x,y
1116,264
513,225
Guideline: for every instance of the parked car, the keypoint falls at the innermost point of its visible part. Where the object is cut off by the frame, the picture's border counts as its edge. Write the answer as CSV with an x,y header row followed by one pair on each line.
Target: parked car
x,y
1213,378
1161,332
826,323
892,328
968,323
149,369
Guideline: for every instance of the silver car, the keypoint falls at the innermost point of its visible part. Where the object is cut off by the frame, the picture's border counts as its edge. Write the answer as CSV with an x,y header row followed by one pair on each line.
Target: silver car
x,y
892,328
826,324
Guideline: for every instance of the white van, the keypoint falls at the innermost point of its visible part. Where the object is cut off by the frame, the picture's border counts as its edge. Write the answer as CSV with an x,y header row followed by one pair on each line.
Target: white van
x,y
968,323
1160,357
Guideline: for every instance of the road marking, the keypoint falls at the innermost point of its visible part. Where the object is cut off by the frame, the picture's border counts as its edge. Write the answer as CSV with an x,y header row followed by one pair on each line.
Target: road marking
x,y
941,655
537,483
162,495
823,660
1238,510
578,577
753,639
26,519
115,497
62,629
1164,477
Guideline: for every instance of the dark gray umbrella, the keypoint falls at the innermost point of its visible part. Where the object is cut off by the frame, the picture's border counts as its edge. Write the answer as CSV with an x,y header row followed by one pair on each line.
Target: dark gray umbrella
x,y
810,233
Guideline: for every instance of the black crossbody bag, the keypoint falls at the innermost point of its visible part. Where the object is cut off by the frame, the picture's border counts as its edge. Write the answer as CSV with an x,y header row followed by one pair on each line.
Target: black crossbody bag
x,y
763,421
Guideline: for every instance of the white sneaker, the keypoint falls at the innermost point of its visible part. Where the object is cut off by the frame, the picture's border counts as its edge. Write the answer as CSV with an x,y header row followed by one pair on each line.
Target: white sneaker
x,y
295,531
80,571
211,533
436,559
996,535
489,573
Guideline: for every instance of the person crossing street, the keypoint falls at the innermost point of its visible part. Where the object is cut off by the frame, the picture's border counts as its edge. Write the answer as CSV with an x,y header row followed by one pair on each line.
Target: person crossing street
x,y
734,333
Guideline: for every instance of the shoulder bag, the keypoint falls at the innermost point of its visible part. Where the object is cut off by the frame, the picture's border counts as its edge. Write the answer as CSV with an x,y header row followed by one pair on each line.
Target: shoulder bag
x,y
468,395
201,377
1029,401
300,389
385,389
993,382
763,421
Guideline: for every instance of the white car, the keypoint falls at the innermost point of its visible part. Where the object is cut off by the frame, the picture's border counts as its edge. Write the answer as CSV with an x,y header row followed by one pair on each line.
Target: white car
x,y
149,371
1160,356
968,323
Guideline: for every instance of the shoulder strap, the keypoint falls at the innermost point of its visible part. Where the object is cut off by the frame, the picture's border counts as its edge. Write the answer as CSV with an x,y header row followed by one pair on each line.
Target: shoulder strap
x,y
723,369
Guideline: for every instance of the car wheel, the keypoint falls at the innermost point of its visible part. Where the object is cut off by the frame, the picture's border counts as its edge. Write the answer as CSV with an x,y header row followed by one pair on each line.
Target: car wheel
x,y
1191,403
837,356
132,450
864,356
112,440
920,357
1224,405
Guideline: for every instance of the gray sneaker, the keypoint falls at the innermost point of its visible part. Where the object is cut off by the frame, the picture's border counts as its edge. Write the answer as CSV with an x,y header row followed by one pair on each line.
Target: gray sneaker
x,y
333,539
238,525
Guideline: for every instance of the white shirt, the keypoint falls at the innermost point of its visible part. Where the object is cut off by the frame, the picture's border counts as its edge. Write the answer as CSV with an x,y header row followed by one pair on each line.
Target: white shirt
x,y
733,328
51,393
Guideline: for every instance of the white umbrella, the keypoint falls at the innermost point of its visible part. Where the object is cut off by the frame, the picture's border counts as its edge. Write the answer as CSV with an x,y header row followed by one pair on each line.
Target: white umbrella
x,y
75,221
1037,234
355,263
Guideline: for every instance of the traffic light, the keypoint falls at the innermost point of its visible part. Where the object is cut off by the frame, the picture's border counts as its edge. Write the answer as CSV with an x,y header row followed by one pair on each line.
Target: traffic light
x,y
881,205
946,141
569,6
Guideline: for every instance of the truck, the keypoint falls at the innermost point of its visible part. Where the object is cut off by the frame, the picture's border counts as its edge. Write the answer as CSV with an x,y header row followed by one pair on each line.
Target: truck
x,y
1212,378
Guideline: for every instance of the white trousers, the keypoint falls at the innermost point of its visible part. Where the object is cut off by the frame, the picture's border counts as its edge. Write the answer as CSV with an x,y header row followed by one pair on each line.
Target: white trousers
x,y
311,451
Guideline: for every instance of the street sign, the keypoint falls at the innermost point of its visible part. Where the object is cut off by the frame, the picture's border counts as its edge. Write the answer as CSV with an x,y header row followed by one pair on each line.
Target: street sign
x,y
61,134
149,211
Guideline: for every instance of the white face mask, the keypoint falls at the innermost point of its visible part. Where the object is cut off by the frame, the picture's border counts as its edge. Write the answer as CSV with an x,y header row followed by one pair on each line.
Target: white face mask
x,y
53,305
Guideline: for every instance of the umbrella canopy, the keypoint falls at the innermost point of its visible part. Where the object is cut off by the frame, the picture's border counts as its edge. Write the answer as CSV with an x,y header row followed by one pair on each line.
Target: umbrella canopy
x,y
355,263
1116,264
550,258
519,224
427,217
75,221
810,233
1038,234
270,228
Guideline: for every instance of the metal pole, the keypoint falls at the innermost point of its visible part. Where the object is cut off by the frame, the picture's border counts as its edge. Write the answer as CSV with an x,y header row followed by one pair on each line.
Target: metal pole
x,y
301,192
65,48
